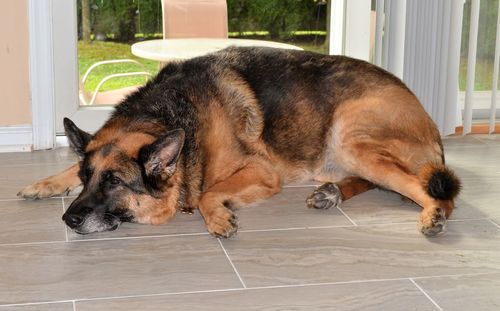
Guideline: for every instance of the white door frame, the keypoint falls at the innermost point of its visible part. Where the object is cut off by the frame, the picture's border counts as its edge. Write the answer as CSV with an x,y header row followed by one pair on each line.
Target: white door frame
x,y
54,73
41,69
350,28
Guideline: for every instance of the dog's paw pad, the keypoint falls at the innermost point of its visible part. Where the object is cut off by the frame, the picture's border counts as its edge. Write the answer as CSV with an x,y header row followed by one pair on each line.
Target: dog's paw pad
x,y
325,196
433,223
187,210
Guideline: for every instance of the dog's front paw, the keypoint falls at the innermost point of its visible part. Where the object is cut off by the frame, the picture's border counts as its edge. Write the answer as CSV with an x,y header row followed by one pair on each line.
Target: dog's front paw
x,y
221,222
43,189
325,196
432,221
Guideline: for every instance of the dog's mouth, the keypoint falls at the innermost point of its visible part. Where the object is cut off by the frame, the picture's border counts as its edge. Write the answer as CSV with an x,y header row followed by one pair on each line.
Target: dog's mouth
x,y
98,223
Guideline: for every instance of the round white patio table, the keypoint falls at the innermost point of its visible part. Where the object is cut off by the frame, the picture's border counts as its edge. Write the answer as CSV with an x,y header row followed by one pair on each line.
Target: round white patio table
x,y
171,49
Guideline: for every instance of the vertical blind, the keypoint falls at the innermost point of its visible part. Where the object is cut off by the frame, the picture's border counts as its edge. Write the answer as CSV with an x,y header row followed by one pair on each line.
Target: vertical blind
x,y
432,57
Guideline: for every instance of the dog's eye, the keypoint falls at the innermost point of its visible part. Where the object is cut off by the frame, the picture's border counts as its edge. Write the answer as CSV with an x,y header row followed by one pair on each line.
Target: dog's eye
x,y
114,180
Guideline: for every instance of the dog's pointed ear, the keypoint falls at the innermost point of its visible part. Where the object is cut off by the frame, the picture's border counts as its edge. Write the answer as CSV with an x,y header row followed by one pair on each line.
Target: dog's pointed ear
x,y
160,158
77,138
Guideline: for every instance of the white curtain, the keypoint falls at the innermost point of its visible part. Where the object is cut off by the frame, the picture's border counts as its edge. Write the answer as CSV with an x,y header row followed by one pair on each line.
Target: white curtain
x,y
432,56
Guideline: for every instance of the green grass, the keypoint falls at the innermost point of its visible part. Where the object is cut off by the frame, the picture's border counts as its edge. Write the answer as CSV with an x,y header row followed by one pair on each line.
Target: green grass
x,y
318,48
484,75
90,53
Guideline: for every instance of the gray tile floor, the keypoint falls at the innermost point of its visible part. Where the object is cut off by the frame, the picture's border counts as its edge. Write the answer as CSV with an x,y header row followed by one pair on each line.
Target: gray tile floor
x,y
368,255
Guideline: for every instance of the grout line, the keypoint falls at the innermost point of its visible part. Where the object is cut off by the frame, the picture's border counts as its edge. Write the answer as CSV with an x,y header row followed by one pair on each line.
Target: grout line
x,y
164,294
240,231
39,200
249,288
272,229
140,237
280,286
65,228
494,223
37,164
479,139
107,239
12,199
64,197
343,213
453,275
231,262
468,219
32,243
197,234
426,295
334,227
36,303
301,186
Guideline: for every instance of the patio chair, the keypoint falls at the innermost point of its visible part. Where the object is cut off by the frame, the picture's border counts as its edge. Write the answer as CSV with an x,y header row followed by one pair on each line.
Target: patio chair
x,y
194,19
109,97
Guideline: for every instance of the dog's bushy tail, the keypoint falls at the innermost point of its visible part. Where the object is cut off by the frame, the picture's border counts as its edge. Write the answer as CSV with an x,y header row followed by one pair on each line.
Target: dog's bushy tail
x,y
439,181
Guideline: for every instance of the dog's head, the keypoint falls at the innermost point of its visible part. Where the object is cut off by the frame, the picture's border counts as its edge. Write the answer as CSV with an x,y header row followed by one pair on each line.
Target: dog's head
x,y
127,175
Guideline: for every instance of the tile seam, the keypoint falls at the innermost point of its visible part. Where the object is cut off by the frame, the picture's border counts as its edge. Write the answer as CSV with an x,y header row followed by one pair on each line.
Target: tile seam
x,y
241,231
65,228
425,294
494,223
248,288
347,216
232,264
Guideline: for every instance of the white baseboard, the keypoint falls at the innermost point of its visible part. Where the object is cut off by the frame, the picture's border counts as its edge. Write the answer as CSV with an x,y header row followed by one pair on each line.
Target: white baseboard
x,y
16,138
481,101
61,141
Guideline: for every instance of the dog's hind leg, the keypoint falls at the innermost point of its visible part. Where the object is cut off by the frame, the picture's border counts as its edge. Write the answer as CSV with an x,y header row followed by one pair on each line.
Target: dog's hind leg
x,y
257,180
59,184
387,171
332,194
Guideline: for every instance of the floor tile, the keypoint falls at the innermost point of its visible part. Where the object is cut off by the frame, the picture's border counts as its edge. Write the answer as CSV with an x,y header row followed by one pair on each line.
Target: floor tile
x,y
490,139
364,252
379,207
31,221
57,155
496,222
63,306
459,140
76,270
15,178
479,292
306,183
478,198
288,210
480,181
126,262
475,162
396,295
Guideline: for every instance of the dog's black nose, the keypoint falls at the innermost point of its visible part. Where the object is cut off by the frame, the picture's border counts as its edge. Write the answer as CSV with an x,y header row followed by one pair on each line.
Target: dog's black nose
x,y
72,220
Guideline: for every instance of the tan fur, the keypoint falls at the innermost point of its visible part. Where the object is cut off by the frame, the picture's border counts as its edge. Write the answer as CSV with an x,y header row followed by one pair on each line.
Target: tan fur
x,y
383,146
59,184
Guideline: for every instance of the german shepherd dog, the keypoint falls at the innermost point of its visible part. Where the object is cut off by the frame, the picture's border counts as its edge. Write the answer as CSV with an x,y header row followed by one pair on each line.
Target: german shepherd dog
x,y
226,129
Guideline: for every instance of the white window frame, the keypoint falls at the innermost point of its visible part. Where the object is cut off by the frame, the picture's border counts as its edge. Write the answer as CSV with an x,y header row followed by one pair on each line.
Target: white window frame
x,y
349,28
54,73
